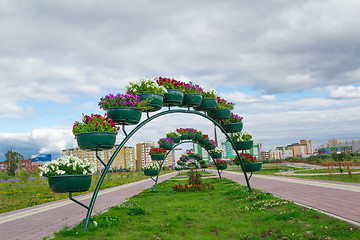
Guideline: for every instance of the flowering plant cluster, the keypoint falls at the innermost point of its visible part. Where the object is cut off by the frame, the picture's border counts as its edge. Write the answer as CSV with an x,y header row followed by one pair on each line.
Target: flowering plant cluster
x,y
204,165
179,162
94,123
246,158
152,166
67,165
178,187
241,136
212,142
157,151
194,155
145,86
221,163
234,118
205,136
166,140
122,100
216,151
193,88
178,167
170,83
222,103
186,131
173,134
209,93
198,132
192,164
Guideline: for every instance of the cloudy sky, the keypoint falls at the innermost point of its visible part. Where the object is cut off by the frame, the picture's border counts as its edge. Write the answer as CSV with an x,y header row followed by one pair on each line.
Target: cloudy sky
x,y
291,67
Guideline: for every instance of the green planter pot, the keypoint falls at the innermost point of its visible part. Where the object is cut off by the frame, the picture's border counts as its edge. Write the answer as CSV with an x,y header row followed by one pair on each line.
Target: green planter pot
x,y
216,155
204,166
198,137
69,183
192,136
210,147
222,167
192,100
184,136
175,139
124,115
233,127
173,98
166,146
96,140
207,104
156,100
253,167
204,141
151,172
157,157
220,113
245,145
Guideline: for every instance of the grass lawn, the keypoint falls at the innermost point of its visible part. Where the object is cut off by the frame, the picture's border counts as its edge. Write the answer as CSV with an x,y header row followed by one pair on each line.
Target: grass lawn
x,y
18,195
227,212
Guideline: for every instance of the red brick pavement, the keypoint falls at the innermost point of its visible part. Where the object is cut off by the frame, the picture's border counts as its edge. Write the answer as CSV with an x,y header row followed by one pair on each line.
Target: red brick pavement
x,y
336,198
43,220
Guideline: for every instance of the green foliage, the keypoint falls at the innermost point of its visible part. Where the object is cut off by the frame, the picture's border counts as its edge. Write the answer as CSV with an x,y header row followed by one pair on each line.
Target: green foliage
x,y
136,211
24,175
12,160
94,123
194,177
4,175
145,86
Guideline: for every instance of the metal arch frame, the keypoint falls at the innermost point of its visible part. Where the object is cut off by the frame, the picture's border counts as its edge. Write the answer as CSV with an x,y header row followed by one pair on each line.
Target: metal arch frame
x,y
175,145
128,136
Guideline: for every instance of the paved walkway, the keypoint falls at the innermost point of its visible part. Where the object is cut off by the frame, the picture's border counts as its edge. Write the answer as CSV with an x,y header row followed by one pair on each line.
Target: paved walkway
x,y
337,199
43,220
334,198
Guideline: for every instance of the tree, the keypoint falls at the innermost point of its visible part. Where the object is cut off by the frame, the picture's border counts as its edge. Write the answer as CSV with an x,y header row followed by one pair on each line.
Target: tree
x,y
12,160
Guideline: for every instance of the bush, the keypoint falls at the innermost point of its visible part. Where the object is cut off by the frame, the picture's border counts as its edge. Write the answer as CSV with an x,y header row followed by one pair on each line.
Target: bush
x,y
4,175
24,175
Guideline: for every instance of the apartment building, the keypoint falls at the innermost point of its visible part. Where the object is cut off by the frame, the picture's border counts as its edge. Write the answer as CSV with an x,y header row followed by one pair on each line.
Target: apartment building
x,y
125,159
143,157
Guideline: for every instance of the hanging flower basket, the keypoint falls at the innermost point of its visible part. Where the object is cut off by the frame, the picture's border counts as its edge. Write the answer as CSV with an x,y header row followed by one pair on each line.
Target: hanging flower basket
x,y
192,100
253,167
192,136
184,136
124,115
198,137
221,113
233,127
96,140
222,167
176,139
204,141
166,146
210,147
157,157
245,145
204,166
173,98
69,183
151,172
156,100
216,155
207,104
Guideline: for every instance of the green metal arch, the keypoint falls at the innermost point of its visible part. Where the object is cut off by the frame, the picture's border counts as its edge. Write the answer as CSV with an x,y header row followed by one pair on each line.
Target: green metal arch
x,y
128,136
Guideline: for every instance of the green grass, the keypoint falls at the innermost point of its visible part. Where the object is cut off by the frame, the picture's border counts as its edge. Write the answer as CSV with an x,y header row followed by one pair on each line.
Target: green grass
x,y
326,170
228,212
355,178
18,195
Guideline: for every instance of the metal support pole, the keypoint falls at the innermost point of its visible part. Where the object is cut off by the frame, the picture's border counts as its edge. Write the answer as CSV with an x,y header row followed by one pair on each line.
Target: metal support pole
x,y
73,199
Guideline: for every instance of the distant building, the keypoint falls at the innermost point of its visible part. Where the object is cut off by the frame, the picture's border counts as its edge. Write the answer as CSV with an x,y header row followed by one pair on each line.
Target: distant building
x,y
229,152
337,142
125,159
298,149
308,146
25,164
203,153
328,150
143,157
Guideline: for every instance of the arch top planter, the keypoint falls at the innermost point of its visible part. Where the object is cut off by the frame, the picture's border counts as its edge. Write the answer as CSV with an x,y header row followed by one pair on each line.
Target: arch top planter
x,y
96,140
124,115
166,146
69,183
245,145
175,139
210,147
216,155
156,100
173,98
222,167
233,127
184,136
220,113
207,104
192,100
192,136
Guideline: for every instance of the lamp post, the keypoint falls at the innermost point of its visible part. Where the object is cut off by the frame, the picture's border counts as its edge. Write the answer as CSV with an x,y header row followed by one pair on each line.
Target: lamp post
x,y
339,157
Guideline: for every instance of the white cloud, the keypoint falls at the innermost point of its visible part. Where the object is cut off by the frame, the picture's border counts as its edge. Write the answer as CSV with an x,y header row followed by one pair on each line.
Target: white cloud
x,y
344,92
